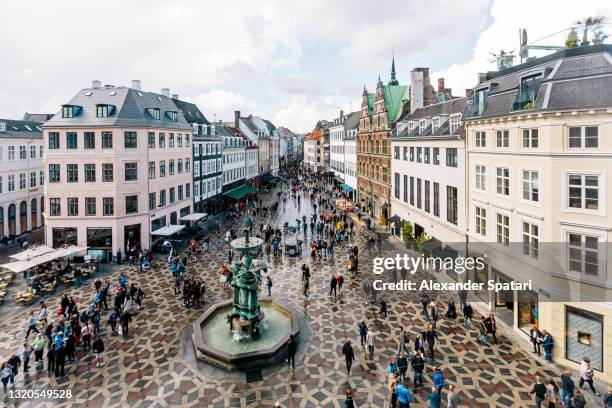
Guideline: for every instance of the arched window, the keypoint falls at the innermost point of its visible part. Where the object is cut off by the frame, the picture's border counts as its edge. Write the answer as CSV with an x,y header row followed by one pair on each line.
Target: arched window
x,y
23,217
34,213
12,220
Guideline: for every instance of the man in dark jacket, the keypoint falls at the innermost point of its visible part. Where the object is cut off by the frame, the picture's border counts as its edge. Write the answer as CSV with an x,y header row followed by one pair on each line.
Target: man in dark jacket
x,y
431,336
291,349
418,366
126,318
349,355
402,365
333,283
363,332
567,388
539,389
468,315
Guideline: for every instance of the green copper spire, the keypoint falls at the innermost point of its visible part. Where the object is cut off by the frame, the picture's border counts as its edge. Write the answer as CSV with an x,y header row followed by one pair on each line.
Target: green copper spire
x,y
393,80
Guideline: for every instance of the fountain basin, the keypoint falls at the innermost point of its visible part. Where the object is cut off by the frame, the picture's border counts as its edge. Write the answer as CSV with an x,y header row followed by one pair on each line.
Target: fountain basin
x,y
215,345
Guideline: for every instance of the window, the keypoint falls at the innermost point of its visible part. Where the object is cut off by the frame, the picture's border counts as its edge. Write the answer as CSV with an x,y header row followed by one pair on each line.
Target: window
x,y
531,185
397,185
54,173
89,140
131,171
531,239
71,140
90,173
503,138
436,199
427,155
451,204
172,115
187,190
502,181
436,156
455,121
154,112
108,206
162,140
405,151
396,152
72,170
11,152
583,254
22,153
172,195
412,154
32,152
481,139
503,229
54,207
530,138
187,165
481,221
418,188
107,140
481,178
22,181
583,137
451,157
107,172
151,140
162,198
583,191
186,140
405,188
68,111
102,111
90,206
179,140
151,170
171,167
73,206
179,166
419,154
162,168
32,179
53,140
41,177
411,190
179,191
130,140
1,192
170,139
152,201
131,204
427,199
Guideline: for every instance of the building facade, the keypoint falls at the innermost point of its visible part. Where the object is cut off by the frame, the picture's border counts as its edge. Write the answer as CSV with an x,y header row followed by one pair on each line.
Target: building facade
x,y
234,161
539,186
336,147
22,177
313,151
118,167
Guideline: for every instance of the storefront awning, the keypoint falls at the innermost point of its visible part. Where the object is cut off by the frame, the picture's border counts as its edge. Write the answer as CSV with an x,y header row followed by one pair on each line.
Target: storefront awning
x,y
239,192
346,187
167,230
20,266
194,217
31,253
268,178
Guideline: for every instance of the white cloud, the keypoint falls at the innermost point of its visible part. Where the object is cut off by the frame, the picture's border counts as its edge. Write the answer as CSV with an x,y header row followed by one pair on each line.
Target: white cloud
x,y
219,104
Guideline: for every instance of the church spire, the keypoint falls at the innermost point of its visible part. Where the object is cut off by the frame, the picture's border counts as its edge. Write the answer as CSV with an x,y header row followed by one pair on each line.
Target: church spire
x,y
393,80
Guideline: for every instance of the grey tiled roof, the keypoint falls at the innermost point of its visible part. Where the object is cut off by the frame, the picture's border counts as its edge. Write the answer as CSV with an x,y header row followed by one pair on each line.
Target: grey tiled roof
x,y
37,117
352,121
573,78
21,129
249,123
191,112
130,109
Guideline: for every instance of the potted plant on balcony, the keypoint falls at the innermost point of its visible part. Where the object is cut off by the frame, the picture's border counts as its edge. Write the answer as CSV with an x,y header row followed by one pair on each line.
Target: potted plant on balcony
x,y
407,234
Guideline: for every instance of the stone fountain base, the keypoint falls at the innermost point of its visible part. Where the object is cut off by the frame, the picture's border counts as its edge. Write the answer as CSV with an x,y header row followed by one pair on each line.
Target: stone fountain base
x,y
244,361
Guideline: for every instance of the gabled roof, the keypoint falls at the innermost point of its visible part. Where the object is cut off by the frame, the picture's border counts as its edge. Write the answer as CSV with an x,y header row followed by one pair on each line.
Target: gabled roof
x,y
249,123
37,117
130,109
314,135
191,112
395,95
352,121
21,129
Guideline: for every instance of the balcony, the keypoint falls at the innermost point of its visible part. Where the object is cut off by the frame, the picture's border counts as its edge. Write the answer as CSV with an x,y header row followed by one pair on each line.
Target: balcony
x,y
524,101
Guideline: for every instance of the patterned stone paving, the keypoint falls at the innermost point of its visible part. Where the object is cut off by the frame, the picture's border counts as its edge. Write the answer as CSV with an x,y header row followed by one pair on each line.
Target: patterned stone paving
x,y
148,370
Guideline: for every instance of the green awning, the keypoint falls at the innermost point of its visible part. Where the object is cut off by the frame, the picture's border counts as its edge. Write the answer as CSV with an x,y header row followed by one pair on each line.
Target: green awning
x,y
239,192
346,187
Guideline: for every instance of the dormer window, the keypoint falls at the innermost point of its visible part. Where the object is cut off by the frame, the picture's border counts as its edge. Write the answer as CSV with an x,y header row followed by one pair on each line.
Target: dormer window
x,y
70,111
212,130
422,126
435,124
104,111
528,91
172,115
154,113
2,127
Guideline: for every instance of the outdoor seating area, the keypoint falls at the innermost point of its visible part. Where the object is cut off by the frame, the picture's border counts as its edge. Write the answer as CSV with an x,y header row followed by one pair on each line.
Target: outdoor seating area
x,y
5,279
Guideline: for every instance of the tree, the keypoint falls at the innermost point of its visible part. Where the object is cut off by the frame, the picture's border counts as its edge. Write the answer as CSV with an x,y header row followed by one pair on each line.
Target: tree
x,y
407,232
421,239
572,39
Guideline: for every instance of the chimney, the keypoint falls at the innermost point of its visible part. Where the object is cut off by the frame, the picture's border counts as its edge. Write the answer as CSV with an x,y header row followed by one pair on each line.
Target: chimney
x,y
440,84
165,92
95,84
136,84
341,116
236,119
468,91
174,96
482,76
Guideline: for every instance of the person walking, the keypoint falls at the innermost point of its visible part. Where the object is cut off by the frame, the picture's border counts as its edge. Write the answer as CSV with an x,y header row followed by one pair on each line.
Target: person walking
x,y
552,394
586,375
402,366
32,324
404,339
51,358
291,349
482,333
547,342
27,352
7,375
269,285
438,379
607,399
418,366
363,332
431,336
491,326
578,401
39,347
14,363
98,349
126,318
535,336
468,315
567,388
452,398
333,283
349,355
340,282
348,402
371,341
403,395
434,398
539,392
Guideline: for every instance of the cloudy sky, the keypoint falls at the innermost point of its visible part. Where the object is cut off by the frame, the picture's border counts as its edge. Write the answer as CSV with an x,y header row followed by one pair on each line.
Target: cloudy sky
x,y
291,61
